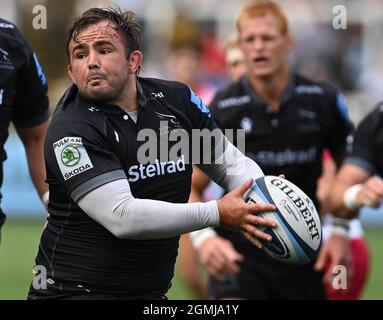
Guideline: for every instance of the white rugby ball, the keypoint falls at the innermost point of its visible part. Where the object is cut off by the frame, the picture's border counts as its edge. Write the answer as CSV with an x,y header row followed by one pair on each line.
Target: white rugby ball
x,y
298,234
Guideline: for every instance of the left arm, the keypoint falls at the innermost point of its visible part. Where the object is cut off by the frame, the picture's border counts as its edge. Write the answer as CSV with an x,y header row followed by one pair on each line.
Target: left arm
x,y
33,141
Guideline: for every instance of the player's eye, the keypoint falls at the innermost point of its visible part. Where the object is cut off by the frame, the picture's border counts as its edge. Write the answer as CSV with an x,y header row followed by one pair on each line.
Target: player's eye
x,y
268,38
249,39
80,55
105,51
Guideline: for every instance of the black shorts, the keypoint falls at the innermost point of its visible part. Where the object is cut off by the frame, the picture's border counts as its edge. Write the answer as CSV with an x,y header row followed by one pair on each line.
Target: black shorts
x,y
65,291
262,278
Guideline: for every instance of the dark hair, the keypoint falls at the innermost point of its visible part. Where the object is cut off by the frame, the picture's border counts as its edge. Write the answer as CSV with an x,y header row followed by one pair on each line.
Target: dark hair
x,y
126,24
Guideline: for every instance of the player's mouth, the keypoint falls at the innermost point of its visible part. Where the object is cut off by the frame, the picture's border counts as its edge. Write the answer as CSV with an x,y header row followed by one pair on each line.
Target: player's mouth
x,y
261,60
95,78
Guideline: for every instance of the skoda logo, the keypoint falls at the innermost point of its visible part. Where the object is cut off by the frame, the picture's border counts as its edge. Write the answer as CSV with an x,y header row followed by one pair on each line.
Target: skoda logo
x,y
70,156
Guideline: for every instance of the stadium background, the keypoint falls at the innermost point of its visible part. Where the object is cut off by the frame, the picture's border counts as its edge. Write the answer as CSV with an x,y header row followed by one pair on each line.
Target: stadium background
x,y
351,59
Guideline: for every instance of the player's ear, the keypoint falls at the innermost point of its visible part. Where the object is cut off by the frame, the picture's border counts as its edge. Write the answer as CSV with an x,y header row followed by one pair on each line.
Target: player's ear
x,y
135,60
70,73
290,43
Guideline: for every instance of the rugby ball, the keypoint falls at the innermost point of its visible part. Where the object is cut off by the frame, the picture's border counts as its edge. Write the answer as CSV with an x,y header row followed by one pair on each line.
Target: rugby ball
x,y
298,234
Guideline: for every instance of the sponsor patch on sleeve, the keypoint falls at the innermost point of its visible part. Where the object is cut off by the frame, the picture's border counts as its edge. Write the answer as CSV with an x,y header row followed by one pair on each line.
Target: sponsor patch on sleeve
x,y
71,156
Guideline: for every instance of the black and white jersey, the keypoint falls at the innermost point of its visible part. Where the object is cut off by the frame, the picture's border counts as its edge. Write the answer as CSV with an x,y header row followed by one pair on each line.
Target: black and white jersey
x,y
367,147
23,86
89,144
313,116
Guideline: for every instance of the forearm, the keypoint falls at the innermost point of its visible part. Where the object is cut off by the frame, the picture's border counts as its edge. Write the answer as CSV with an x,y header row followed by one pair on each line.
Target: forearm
x,y
234,171
114,207
340,203
36,167
33,141
336,202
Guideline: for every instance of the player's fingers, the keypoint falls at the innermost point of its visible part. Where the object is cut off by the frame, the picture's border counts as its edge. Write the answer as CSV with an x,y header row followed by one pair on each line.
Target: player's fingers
x,y
217,259
328,276
232,254
255,232
257,220
321,260
220,265
243,187
256,208
370,198
215,273
253,240
231,267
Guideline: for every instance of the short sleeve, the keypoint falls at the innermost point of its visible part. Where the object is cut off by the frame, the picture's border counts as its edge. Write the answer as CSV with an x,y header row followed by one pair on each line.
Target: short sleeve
x,y
31,104
362,153
80,158
341,125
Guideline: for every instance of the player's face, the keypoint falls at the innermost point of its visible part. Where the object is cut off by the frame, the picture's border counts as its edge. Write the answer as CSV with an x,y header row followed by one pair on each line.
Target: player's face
x,y
265,47
98,63
237,69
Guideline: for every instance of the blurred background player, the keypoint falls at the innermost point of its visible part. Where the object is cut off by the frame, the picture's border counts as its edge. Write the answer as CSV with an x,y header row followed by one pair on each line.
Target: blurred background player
x,y
24,102
358,245
288,121
357,184
185,63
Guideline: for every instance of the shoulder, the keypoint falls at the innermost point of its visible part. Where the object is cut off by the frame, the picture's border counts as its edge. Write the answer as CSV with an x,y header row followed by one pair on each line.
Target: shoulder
x,y
73,116
160,88
9,31
308,87
175,93
323,95
233,95
374,119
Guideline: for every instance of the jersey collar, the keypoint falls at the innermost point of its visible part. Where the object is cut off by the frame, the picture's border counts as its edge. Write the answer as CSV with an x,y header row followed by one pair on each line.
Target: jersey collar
x,y
106,107
289,91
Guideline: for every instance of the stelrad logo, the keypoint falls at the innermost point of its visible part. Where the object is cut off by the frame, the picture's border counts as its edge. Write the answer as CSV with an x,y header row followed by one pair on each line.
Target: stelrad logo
x,y
145,171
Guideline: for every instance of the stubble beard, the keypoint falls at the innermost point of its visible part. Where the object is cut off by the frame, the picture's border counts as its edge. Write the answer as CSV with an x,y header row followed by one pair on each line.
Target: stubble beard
x,y
105,94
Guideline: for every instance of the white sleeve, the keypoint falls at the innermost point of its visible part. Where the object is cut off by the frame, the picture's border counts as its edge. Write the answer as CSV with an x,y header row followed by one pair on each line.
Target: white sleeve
x,y
114,207
230,171
232,168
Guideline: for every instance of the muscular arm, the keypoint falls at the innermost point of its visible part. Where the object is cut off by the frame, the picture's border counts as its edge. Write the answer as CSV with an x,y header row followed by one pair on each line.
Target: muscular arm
x,y
199,183
33,141
347,176
234,171
114,207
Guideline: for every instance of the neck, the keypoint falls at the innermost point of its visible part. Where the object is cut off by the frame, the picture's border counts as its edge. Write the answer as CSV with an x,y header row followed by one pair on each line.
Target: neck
x,y
128,100
271,88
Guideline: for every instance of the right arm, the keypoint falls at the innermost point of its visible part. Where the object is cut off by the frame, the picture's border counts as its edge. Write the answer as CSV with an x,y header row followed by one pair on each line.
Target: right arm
x,y
114,207
355,184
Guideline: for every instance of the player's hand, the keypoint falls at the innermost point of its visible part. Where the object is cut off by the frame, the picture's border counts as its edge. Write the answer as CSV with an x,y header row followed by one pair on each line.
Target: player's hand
x,y
235,213
335,251
219,257
371,194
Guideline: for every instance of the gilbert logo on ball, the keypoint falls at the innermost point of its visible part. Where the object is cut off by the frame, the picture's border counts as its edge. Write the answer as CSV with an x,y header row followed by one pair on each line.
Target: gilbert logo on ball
x,y
298,234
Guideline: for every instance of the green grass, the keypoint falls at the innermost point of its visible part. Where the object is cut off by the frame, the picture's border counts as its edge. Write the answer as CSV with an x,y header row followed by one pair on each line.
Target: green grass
x,y
19,246
374,288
